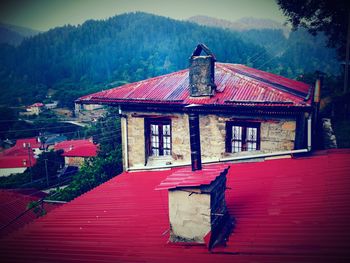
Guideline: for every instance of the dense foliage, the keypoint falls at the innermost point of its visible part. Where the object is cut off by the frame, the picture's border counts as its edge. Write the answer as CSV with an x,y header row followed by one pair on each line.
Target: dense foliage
x,y
71,61
36,177
106,165
76,60
293,55
328,16
13,128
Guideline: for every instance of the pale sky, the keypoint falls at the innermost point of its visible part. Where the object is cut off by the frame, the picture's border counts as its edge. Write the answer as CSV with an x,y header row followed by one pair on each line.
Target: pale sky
x,y
46,14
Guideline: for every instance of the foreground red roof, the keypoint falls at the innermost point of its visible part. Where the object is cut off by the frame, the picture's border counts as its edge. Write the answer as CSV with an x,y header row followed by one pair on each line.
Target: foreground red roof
x,y
237,85
286,210
77,148
15,202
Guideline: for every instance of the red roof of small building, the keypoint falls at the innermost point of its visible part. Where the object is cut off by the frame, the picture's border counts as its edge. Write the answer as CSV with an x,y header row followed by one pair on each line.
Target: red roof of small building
x,y
237,85
15,202
286,210
31,142
19,156
77,148
18,161
38,104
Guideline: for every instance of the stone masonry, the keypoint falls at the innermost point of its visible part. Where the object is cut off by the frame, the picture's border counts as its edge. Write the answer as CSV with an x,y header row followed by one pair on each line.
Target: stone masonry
x,y
275,135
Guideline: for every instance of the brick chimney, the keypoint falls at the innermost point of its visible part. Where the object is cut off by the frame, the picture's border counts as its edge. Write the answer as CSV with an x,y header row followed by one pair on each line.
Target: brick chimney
x,y
202,72
197,207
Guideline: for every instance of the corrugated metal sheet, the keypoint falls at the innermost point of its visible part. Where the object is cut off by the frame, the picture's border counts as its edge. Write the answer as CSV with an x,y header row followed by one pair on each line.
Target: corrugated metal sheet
x,y
185,177
236,85
19,156
15,202
77,148
287,210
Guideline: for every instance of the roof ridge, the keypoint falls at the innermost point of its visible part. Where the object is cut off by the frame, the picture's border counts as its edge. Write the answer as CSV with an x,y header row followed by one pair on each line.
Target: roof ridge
x,y
279,86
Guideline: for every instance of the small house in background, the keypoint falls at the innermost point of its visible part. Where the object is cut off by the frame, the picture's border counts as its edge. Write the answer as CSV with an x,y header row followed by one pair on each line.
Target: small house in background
x,y
21,156
89,112
36,108
242,112
51,105
75,152
48,140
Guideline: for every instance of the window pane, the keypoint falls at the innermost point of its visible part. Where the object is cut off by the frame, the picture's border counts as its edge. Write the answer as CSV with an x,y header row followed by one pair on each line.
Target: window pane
x,y
251,146
236,146
154,129
237,132
252,134
160,138
166,129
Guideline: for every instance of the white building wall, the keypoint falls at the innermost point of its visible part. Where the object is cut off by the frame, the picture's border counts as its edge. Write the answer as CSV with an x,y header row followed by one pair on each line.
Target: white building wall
x,y
9,171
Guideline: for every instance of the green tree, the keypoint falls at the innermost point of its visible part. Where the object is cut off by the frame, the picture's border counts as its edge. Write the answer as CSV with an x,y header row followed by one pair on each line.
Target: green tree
x,y
328,16
106,165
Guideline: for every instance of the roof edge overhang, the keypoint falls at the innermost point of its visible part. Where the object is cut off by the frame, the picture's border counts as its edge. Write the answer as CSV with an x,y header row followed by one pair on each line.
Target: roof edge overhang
x,y
204,108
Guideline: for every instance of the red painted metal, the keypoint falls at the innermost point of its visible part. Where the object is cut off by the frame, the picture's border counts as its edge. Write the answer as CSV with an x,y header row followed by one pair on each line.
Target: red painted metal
x,y
13,203
185,177
286,210
77,148
19,156
237,85
32,142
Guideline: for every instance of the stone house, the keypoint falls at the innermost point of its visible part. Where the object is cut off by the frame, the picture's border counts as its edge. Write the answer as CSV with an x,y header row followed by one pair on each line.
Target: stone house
x,y
75,152
36,108
239,111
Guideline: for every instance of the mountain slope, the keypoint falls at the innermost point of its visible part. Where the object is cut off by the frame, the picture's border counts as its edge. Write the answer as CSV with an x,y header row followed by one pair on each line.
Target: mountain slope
x,y
293,52
76,60
242,24
13,35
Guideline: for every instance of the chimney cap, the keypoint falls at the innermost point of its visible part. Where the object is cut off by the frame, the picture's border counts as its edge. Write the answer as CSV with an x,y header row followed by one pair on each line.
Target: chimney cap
x,y
185,177
202,47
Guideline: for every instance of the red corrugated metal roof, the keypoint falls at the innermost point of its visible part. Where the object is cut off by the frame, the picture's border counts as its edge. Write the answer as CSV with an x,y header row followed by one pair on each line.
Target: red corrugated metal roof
x,y
299,214
15,202
237,85
185,177
19,161
77,148
38,104
18,156
31,142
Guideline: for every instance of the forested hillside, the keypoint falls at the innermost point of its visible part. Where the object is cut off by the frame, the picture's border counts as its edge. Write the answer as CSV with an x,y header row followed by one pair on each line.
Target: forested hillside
x,y
14,35
71,61
75,60
293,52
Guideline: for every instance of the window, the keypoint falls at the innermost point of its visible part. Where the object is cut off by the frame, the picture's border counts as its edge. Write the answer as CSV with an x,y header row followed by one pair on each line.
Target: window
x,y
158,137
242,136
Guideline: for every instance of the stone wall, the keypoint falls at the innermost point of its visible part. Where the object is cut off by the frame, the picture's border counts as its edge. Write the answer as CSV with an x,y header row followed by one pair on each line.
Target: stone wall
x,y
136,141
275,135
181,150
74,161
194,212
189,216
213,132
